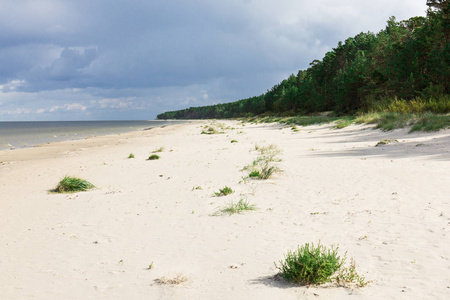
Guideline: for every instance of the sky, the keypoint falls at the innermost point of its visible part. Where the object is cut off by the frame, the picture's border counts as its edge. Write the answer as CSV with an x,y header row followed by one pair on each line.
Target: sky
x,y
133,59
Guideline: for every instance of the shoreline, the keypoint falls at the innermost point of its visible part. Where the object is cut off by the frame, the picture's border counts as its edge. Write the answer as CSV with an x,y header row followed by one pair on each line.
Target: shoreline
x,y
32,134
83,141
387,206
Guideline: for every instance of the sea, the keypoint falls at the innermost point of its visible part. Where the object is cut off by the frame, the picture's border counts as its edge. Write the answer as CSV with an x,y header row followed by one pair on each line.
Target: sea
x,y
15,135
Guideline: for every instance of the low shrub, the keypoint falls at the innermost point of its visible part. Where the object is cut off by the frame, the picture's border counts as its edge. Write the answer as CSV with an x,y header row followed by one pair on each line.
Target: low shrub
x,y
153,157
310,265
316,265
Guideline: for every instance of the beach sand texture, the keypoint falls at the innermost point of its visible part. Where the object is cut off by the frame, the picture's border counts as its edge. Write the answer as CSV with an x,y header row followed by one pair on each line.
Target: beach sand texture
x,y
387,206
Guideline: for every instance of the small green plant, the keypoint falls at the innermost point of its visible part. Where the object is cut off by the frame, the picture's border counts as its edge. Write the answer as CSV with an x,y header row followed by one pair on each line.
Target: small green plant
x,y
72,184
349,276
236,208
210,130
150,266
131,155
254,174
224,192
153,157
261,167
267,171
264,171
310,264
233,141
384,142
160,149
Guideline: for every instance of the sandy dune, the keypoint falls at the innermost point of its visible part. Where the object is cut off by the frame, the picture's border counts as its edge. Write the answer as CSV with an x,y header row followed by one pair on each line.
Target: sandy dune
x,y
388,207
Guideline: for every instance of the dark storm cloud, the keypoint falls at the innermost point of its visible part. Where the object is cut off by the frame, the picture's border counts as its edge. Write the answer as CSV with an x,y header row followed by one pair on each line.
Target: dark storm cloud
x,y
86,51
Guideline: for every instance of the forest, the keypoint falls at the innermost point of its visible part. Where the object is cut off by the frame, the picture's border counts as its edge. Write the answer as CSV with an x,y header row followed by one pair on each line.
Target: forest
x,y
402,68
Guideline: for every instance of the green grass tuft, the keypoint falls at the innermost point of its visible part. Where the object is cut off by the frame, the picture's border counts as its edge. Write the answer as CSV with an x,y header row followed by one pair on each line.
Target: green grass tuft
x,y
153,157
236,208
431,122
72,184
210,130
262,167
254,174
160,149
390,121
131,155
224,192
233,141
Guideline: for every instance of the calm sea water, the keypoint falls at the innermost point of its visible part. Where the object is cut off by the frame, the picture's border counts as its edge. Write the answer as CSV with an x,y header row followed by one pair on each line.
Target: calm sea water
x,y
29,134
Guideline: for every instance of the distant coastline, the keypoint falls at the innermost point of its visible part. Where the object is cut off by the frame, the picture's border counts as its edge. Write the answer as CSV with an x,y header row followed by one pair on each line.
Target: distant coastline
x,y
17,134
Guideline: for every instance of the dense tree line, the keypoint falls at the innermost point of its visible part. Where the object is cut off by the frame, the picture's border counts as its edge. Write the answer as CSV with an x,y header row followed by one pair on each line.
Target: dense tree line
x,y
407,59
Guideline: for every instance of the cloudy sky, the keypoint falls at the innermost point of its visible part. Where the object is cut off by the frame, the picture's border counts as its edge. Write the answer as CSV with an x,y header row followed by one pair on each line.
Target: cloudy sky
x,y
133,59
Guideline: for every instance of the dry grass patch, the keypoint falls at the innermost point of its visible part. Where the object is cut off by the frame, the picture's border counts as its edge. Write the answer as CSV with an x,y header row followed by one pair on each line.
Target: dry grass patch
x,y
178,279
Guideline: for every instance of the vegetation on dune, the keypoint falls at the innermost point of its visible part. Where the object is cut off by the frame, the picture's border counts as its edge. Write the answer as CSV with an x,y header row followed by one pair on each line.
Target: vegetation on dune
x,y
153,157
236,208
401,72
72,184
224,192
316,265
262,167
160,149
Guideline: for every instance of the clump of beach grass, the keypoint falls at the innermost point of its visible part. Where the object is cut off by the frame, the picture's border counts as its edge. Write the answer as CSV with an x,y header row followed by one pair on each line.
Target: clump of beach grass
x,y
234,141
431,122
210,130
236,208
160,149
131,156
262,167
224,191
72,184
385,142
310,265
153,157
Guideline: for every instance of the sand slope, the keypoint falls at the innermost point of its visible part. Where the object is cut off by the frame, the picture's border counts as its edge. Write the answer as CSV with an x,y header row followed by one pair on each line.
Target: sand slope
x,y
386,206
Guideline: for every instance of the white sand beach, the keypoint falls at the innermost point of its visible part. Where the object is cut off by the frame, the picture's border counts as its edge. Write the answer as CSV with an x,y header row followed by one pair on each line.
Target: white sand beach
x,y
387,207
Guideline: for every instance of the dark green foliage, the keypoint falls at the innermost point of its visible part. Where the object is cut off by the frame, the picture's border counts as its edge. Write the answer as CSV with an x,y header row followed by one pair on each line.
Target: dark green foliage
x,y
408,60
254,174
224,192
310,265
153,157
72,184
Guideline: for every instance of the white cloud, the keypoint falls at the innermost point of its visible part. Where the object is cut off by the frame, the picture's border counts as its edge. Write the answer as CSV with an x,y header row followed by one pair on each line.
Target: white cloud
x,y
114,103
18,111
12,85
68,107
